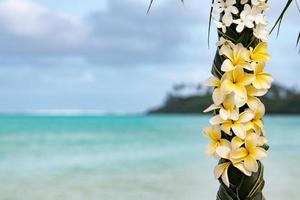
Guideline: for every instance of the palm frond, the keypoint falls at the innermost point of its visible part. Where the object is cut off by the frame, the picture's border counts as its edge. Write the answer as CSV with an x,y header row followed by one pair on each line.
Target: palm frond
x,y
209,22
151,2
279,20
298,41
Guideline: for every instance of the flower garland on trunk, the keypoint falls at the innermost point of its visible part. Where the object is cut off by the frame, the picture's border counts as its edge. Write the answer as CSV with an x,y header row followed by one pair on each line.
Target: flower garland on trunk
x,y
237,137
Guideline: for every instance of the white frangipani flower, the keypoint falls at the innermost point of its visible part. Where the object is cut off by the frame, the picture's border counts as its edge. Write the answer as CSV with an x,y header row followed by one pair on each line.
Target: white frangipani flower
x,y
227,19
246,19
224,45
258,16
260,3
220,25
244,1
261,32
228,7
216,10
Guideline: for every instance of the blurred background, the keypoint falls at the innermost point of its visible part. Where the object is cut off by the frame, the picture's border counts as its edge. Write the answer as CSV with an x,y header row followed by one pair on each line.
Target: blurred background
x,y
81,87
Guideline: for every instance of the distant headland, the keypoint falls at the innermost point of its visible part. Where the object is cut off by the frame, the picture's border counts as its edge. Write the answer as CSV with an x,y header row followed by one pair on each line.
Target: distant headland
x,y
193,99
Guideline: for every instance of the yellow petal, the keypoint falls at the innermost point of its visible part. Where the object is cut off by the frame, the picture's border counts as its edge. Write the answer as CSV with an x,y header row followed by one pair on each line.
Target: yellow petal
x,y
260,153
228,52
211,108
234,115
211,148
240,101
239,154
238,74
239,130
252,91
225,178
226,126
242,168
224,114
253,103
212,82
251,164
217,96
262,81
223,151
227,86
259,54
250,142
215,120
219,169
227,66
236,142
240,90
259,112
247,79
259,67
224,142
213,133
246,116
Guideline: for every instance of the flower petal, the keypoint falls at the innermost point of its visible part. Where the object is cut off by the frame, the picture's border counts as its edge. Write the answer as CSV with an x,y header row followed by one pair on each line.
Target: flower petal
x,y
227,66
239,154
260,153
251,163
217,96
223,152
239,130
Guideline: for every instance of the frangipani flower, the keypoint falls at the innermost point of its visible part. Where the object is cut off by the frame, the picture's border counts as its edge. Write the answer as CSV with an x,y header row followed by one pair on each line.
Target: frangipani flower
x,y
227,109
259,53
228,6
220,25
237,126
246,19
225,153
258,2
236,57
236,82
214,134
217,95
256,123
261,32
224,45
250,153
261,80
258,16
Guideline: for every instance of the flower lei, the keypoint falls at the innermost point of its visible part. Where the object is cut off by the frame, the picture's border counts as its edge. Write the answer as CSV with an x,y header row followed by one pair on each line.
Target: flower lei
x,y
237,137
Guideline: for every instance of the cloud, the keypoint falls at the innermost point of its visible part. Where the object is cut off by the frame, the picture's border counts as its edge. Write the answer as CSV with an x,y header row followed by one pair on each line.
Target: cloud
x,y
121,35
32,33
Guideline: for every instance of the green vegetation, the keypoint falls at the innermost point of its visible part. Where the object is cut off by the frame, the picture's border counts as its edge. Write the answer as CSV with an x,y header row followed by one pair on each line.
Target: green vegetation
x,y
279,100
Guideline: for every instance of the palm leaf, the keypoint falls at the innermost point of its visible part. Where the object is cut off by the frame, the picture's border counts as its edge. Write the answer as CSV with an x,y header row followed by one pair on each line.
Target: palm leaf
x,y
279,20
298,40
151,2
209,22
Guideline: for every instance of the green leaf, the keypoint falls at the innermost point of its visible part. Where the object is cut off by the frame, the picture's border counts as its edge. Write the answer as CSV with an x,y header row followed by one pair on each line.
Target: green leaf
x,y
279,20
298,41
151,2
209,22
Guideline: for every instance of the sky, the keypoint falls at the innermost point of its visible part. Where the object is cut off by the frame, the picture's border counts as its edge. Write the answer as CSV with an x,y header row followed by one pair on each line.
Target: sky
x,y
111,57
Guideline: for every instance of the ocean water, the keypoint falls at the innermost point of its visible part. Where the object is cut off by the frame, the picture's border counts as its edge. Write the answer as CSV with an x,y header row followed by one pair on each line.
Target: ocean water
x,y
129,158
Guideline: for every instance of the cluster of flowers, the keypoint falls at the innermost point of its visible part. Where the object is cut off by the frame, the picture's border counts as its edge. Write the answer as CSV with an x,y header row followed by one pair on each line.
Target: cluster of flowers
x,y
252,16
236,133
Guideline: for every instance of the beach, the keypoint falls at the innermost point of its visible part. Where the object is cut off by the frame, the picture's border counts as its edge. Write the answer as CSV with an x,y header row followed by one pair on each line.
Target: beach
x,y
129,158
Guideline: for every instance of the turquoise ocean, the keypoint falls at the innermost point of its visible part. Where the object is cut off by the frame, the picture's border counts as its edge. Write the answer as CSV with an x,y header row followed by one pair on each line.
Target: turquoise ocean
x,y
129,158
